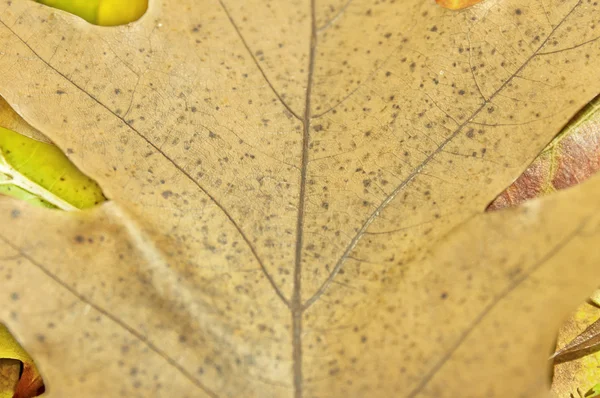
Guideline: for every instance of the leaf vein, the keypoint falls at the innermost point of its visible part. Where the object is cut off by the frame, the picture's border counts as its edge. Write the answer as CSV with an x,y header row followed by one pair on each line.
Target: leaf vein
x,y
172,362
417,171
177,166
262,71
488,309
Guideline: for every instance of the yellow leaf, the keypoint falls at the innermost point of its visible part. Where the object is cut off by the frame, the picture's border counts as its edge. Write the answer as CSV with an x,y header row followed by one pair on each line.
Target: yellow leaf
x,y
298,195
118,12
579,370
102,12
457,4
9,377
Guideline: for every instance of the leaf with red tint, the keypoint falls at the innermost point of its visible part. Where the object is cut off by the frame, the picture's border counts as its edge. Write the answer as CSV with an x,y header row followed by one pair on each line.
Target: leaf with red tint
x,y
571,158
457,4
30,383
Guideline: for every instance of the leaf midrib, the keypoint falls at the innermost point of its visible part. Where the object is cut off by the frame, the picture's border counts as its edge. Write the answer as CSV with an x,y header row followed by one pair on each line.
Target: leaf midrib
x,y
296,306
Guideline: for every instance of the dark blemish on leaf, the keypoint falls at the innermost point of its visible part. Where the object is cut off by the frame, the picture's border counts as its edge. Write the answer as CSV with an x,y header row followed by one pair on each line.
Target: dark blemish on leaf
x,y
413,66
167,194
212,135
434,29
194,109
79,239
518,11
117,91
70,151
388,74
318,127
15,213
41,338
363,339
14,296
461,92
182,339
444,295
60,92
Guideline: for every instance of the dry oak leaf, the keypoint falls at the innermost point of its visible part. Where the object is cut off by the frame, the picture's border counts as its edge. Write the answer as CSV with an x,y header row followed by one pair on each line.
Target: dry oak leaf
x,y
296,194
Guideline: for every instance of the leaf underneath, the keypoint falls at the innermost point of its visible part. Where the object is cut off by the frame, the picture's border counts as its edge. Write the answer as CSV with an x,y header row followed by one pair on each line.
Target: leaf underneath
x,y
41,174
19,377
571,158
457,4
102,12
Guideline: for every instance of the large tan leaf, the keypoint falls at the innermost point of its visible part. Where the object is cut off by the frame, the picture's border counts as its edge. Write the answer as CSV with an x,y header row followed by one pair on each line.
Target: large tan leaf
x,y
297,194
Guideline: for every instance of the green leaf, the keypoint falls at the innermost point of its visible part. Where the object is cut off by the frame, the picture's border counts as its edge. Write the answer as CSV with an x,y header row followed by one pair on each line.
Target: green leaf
x,y
102,12
41,174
